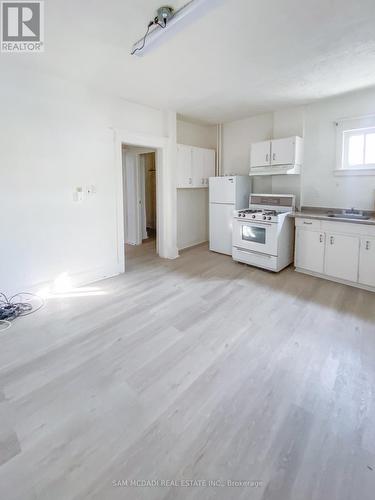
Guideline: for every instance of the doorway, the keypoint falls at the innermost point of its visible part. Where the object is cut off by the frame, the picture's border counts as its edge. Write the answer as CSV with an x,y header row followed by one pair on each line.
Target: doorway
x,y
140,203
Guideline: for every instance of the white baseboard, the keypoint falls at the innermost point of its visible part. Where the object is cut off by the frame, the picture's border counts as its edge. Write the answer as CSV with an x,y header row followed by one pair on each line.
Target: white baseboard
x,y
192,244
336,280
76,279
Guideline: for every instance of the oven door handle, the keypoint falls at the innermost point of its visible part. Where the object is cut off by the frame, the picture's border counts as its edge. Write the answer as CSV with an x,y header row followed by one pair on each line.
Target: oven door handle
x,y
255,224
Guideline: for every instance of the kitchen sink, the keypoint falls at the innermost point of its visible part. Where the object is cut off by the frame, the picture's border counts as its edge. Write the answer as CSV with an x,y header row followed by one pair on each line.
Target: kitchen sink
x,y
349,216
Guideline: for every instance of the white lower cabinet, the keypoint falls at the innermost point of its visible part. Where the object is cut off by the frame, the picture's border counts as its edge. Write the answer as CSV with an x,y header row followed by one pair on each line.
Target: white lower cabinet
x,y
310,250
341,258
334,250
367,262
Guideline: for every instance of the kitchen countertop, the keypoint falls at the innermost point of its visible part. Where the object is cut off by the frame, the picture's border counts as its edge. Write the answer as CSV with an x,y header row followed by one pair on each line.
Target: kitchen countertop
x,y
322,214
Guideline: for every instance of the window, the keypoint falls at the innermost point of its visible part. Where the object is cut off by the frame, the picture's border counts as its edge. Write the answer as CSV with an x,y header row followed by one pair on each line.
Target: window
x,y
356,146
359,148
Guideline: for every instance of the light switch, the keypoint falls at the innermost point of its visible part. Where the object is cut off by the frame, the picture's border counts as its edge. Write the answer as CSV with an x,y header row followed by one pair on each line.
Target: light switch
x,y
78,194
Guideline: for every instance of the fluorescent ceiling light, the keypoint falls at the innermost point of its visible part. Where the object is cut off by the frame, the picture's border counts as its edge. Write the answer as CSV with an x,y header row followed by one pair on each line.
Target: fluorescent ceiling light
x,y
157,35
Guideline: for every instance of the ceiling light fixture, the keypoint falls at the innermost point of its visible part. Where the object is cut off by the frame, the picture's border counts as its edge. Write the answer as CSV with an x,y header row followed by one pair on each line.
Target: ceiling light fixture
x,y
167,22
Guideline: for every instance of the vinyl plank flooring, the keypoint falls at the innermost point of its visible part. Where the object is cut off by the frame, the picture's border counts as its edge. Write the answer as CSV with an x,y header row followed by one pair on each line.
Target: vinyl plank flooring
x,y
194,369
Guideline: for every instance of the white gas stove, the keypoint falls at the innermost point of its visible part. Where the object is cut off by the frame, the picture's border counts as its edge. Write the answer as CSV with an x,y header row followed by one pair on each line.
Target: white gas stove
x,y
263,234
258,214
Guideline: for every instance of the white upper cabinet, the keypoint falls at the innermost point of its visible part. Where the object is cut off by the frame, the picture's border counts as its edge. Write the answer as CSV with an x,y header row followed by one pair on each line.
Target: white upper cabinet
x,y
197,167
367,261
209,164
184,166
286,151
194,166
260,154
277,156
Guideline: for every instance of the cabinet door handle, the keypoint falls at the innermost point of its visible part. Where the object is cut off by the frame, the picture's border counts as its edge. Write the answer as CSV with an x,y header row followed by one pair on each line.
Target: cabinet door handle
x,y
332,240
307,223
190,180
368,245
321,238
202,181
274,157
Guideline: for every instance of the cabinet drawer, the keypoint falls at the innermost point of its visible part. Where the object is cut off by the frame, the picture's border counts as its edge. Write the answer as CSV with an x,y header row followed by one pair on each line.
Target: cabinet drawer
x,y
348,228
308,223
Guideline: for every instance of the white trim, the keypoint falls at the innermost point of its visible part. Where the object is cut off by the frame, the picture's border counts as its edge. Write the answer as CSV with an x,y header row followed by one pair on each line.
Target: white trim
x,y
194,244
347,172
336,280
351,126
352,118
79,279
165,191
279,170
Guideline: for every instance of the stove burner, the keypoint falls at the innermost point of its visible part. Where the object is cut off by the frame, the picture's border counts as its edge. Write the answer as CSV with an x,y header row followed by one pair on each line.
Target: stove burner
x,y
271,212
251,211
268,214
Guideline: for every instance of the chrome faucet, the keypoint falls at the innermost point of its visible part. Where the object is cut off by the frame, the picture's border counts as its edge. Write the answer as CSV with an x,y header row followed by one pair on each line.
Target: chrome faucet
x,y
353,211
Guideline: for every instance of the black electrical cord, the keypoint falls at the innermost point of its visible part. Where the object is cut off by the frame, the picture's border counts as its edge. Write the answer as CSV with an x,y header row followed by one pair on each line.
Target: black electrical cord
x,y
156,21
144,38
13,307
151,23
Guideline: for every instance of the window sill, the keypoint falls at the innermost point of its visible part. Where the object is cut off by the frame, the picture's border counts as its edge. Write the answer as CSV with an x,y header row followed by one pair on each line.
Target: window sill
x,y
354,171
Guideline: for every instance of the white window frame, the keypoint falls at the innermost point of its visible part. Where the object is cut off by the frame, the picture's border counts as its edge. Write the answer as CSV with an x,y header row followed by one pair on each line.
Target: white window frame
x,y
347,128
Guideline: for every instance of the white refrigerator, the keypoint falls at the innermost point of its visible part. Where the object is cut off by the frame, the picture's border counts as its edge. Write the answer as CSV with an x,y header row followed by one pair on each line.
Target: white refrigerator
x,y
226,194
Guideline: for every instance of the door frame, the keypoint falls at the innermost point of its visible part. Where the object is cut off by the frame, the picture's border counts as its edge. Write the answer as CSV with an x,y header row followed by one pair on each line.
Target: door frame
x,y
166,195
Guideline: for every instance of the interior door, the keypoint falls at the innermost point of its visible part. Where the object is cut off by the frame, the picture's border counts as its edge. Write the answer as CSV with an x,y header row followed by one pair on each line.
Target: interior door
x,y
367,262
342,256
260,154
310,250
184,166
132,202
283,151
142,195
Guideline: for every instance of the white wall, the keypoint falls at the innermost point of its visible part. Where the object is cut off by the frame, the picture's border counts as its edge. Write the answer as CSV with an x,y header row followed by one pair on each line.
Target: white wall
x,y
195,134
237,137
317,186
192,217
320,187
192,204
286,123
56,135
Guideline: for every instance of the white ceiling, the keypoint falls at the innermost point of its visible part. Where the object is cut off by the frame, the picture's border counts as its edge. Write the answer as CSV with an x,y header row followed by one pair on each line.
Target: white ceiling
x,y
244,57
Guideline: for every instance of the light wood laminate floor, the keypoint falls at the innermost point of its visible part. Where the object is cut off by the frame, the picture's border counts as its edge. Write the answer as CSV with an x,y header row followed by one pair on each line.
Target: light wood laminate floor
x,y
198,369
